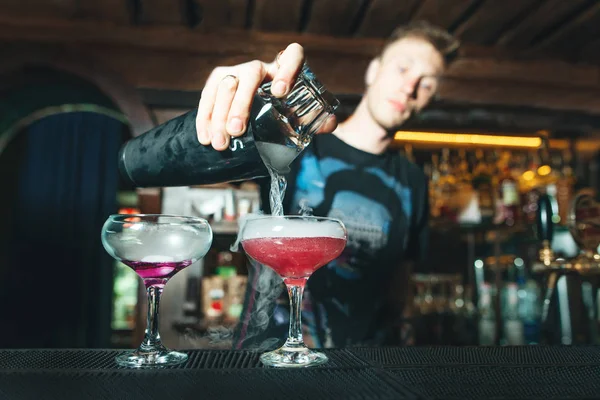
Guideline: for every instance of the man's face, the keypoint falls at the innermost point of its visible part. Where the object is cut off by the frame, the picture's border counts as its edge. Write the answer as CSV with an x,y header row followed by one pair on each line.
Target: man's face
x,y
403,81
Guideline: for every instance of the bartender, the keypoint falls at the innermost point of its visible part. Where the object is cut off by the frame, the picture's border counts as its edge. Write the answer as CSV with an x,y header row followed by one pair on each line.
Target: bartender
x,y
351,174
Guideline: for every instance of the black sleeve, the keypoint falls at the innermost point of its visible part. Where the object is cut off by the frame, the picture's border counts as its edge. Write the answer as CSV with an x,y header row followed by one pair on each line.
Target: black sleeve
x,y
418,240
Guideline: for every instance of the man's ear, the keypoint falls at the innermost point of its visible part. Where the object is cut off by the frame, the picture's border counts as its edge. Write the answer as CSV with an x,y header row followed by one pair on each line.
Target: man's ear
x,y
372,71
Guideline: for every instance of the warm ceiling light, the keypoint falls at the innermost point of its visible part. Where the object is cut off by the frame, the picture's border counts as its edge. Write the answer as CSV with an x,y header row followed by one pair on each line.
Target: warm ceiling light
x,y
469,139
544,170
528,175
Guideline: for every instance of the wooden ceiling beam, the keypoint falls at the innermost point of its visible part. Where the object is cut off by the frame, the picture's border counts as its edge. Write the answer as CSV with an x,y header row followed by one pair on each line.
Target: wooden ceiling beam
x,y
237,12
548,14
272,15
187,71
508,93
333,17
175,38
181,59
211,16
162,12
549,72
112,11
488,21
383,16
567,37
42,8
475,62
443,13
591,52
344,75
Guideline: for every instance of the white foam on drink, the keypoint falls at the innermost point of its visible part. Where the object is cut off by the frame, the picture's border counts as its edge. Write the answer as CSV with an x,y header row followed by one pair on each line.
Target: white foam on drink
x,y
296,228
157,259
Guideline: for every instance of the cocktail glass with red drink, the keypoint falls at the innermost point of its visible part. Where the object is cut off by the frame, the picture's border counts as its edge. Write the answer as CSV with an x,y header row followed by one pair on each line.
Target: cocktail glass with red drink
x,y
156,247
294,247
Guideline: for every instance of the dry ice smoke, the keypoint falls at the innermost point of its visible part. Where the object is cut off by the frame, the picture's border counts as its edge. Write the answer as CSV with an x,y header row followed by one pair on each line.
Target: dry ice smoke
x,y
267,286
305,209
301,227
218,337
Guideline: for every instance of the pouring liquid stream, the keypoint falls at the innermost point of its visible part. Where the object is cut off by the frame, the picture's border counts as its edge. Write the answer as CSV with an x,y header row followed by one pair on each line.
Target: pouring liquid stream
x,y
277,192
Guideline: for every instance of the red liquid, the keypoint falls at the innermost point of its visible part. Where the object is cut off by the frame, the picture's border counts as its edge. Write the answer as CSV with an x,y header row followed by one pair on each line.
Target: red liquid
x,y
156,273
294,259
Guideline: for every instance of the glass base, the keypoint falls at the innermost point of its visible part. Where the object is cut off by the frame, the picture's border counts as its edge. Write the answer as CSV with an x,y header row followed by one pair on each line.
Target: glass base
x,y
293,358
148,359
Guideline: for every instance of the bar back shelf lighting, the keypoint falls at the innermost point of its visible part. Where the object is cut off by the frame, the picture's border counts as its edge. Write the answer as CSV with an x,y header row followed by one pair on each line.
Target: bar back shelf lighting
x,y
468,139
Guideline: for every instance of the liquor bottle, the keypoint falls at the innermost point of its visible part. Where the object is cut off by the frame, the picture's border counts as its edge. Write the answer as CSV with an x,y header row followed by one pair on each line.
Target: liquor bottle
x,y
564,187
435,171
530,311
468,199
447,188
191,303
408,153
463,176
487,316
435,198
507,209
530,186
279,129
513,326
482,183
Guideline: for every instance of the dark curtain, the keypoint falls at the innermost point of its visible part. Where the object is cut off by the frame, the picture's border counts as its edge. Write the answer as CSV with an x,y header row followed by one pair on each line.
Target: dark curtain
x,y
58,286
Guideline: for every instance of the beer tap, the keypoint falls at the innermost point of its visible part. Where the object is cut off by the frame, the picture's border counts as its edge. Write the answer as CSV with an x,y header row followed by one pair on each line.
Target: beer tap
x,y
549,265
585,268
545,229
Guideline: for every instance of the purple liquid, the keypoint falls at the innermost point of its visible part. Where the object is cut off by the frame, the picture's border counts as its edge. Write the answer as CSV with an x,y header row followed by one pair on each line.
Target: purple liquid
x,y
156,273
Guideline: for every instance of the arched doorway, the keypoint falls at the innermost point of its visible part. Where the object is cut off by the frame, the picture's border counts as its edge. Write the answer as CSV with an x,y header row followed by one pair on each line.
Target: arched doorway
x,y
59,139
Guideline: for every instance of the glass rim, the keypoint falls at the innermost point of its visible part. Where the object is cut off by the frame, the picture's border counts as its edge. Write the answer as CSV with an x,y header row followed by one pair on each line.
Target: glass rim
x,y
293,217
173,218
247,221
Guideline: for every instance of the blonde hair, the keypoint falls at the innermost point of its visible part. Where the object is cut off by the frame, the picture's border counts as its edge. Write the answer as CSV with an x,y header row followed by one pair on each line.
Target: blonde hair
x,y
446,44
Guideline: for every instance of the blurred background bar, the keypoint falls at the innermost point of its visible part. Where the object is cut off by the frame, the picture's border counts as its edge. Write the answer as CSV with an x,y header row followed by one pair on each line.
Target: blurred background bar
x,y
517,118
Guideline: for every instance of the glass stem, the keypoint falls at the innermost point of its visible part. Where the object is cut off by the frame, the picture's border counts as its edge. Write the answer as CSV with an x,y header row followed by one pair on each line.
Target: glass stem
x,y
152,337
295,332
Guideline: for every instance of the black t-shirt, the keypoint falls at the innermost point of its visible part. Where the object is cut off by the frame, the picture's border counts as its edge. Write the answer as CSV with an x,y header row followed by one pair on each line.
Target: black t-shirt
x,y
382,200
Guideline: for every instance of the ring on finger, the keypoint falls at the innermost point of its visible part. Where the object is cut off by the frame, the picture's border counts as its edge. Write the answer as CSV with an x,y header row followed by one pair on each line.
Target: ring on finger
x,y
230,76
277,58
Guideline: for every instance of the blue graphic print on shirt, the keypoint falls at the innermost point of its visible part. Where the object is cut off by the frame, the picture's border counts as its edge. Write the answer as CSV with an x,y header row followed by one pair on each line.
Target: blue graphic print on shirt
x,y
367,221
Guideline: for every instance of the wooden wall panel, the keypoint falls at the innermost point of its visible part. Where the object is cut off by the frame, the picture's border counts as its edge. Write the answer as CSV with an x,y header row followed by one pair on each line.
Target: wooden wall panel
x,y
537,71
223,15
162,115
511,94
275,15
181,59
162,12
37,8
111,11
333,17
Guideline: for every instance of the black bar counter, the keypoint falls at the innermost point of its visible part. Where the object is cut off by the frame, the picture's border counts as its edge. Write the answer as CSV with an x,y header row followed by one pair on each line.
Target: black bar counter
x,y
532,372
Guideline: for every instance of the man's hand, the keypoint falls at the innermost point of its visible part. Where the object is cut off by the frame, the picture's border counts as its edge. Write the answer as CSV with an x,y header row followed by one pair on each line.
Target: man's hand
x,y
227,97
